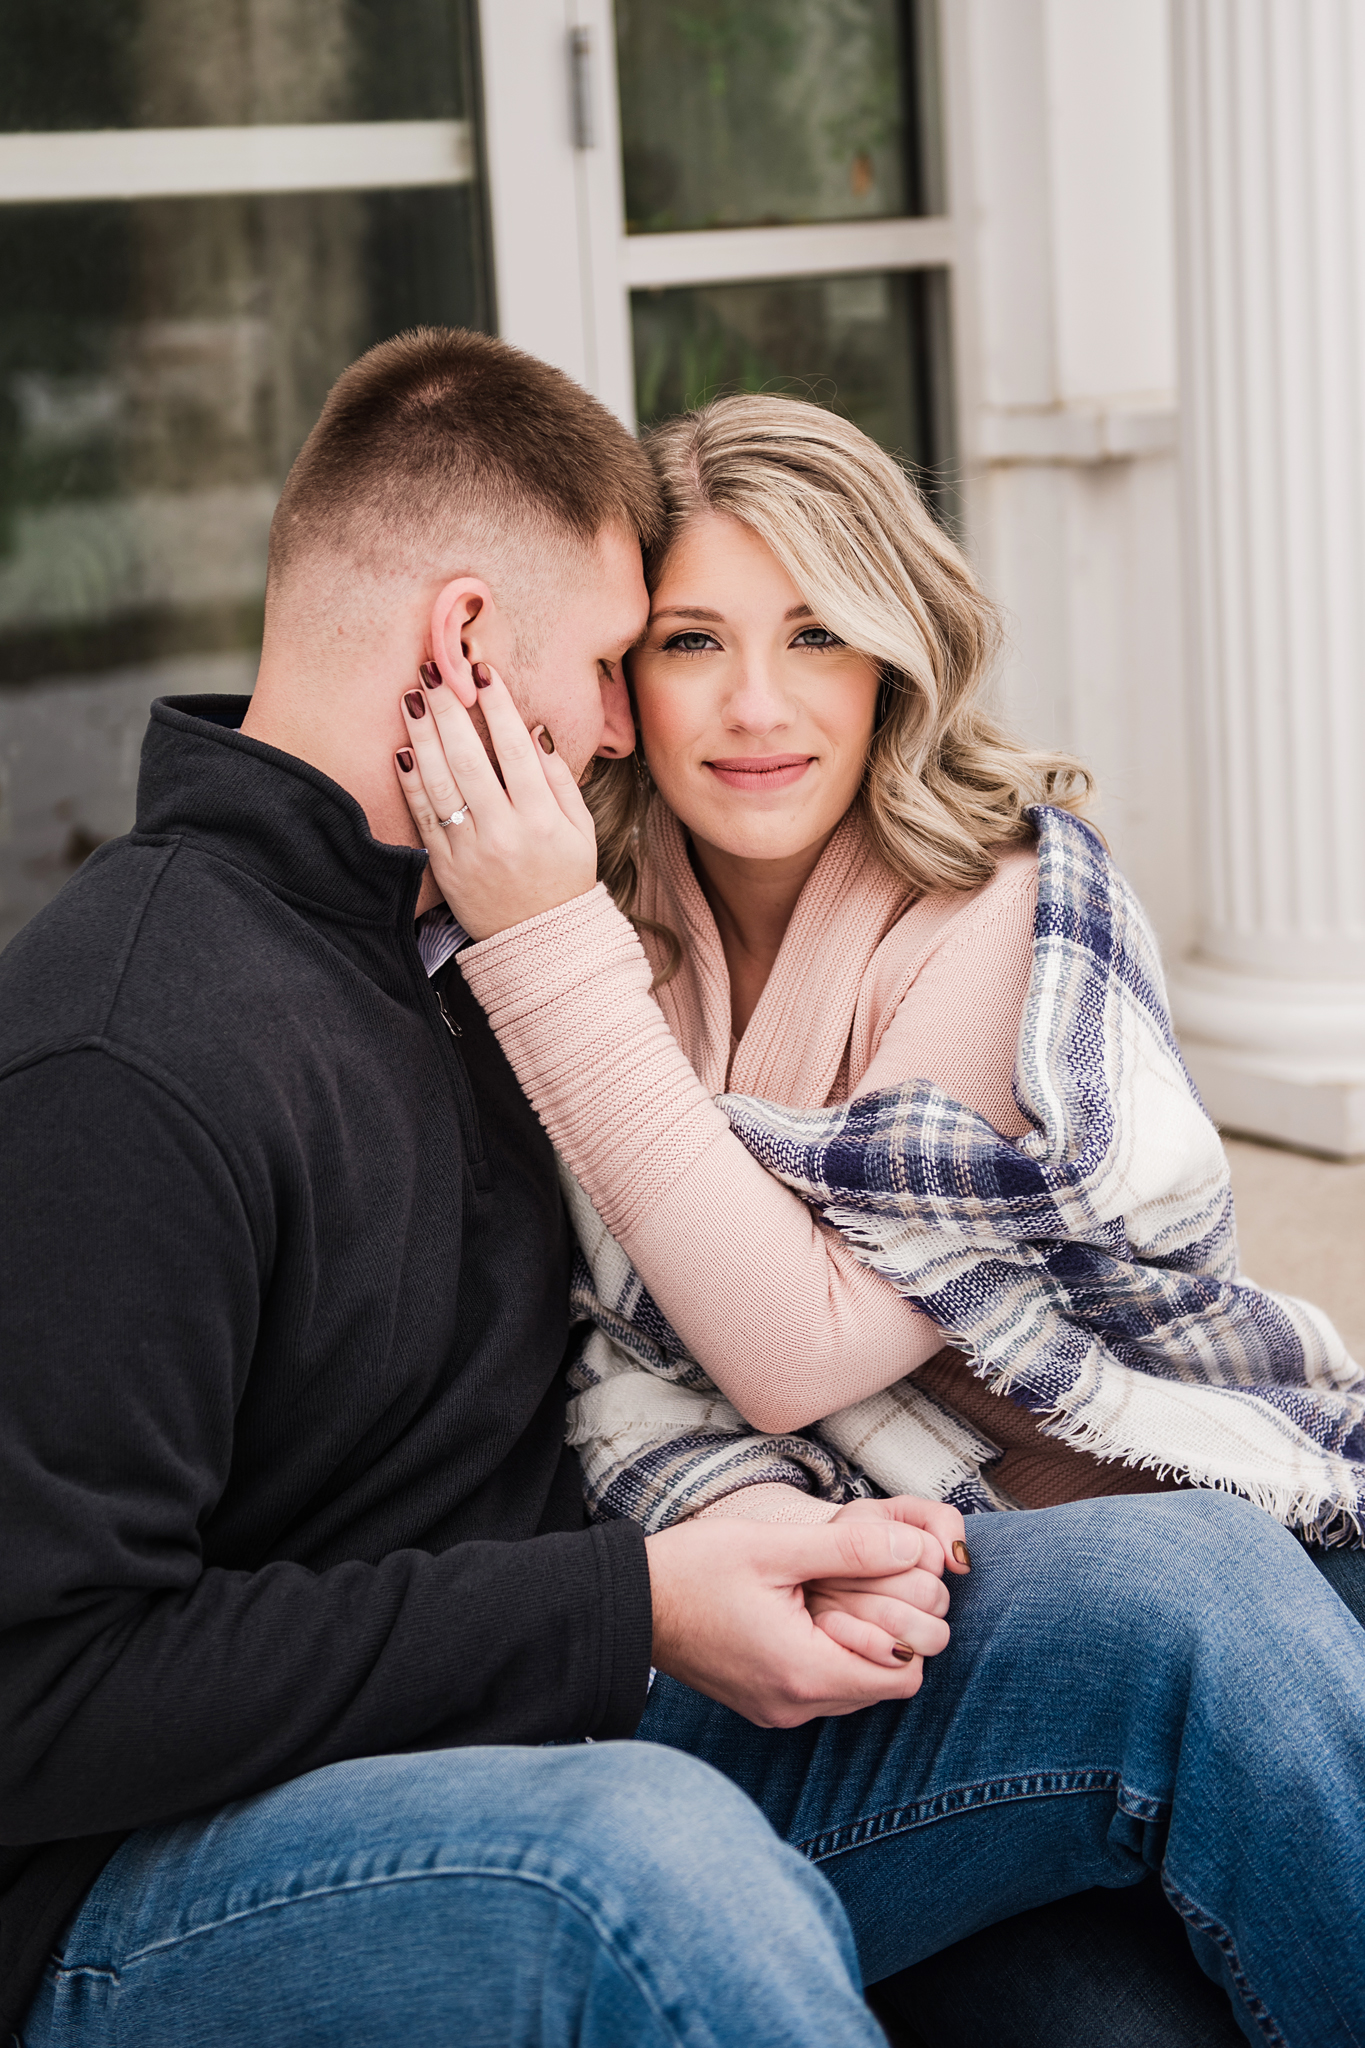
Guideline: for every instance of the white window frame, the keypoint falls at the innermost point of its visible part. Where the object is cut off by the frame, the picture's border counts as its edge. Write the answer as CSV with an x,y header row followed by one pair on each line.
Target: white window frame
x,y
564,266
60,165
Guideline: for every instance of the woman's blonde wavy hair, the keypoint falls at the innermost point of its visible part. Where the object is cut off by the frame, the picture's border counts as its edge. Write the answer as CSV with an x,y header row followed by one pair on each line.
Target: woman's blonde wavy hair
x,y
945,789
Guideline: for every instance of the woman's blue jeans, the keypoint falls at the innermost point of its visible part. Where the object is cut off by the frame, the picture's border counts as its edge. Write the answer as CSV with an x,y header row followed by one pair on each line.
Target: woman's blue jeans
x,y
1133,1685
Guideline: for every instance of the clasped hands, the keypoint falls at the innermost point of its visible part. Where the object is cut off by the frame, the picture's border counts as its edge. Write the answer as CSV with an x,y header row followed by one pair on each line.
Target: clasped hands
x,y
785,1623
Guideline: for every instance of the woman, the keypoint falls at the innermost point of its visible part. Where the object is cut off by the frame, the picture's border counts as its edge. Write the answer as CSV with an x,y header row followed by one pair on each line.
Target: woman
x,y
826,847
825,853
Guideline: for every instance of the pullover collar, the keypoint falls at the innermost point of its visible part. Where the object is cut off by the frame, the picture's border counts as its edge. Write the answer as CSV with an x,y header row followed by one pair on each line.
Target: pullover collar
x,y
264,810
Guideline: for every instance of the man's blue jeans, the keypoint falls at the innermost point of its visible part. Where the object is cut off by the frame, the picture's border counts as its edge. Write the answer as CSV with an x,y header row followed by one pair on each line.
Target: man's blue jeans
x,y
1132,1685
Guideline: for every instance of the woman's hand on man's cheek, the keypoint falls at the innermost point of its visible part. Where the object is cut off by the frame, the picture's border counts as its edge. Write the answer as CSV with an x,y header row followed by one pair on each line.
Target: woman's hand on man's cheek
x,y
508,838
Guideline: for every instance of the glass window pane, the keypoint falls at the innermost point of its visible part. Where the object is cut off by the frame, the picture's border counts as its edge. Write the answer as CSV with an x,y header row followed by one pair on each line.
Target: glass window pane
x,y
162,360
160,365
873,346
746,112
227,63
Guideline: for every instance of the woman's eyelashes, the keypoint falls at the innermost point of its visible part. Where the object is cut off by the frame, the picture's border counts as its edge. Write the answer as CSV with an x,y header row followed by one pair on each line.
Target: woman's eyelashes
x,y
697,642
690,643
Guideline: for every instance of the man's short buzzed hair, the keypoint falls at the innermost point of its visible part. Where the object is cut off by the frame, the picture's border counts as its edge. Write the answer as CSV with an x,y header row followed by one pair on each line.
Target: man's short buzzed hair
x,y
444,442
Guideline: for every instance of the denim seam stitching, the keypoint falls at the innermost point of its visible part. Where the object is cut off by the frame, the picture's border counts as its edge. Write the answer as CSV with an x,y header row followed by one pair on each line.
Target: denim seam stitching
x,y
1214,1930
962,1799
604,1933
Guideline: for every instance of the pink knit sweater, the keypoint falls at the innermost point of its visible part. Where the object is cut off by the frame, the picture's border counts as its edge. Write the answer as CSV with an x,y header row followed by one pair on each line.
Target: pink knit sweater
x,y
872,987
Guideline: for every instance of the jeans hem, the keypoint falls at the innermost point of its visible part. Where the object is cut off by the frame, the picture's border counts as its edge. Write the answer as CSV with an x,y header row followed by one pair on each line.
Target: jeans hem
x,y
958,1799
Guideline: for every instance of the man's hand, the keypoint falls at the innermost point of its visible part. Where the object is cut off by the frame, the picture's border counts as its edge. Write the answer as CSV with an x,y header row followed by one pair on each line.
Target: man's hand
x,y
731,1617
879,1617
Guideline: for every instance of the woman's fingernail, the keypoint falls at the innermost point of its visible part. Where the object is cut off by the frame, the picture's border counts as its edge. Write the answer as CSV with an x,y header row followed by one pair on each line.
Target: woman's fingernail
x,y
481,676
430,675
902,1653
416,703
962,1554
547,745
405,760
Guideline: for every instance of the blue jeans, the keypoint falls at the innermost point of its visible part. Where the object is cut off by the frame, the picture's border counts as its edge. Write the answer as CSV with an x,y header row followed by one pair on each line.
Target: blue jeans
x,y
1133,1685
609,1895
1105,1969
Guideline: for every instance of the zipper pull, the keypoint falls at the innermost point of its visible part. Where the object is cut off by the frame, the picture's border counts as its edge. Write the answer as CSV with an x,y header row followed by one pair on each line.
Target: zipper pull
x,y
451,1026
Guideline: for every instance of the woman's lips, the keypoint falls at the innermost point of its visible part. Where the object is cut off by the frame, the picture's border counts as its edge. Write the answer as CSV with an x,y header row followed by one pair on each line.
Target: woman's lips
x,y
763,772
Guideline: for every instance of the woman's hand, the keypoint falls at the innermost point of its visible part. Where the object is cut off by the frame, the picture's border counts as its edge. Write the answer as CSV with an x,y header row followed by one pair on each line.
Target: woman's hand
x,y
502,850
895,1619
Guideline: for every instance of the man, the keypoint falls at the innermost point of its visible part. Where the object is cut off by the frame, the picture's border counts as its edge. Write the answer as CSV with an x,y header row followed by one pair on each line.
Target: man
x,y
295,1583
286,1303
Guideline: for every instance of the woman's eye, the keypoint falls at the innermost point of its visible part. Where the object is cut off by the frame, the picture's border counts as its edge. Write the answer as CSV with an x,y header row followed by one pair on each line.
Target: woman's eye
x,y
816,636
689,643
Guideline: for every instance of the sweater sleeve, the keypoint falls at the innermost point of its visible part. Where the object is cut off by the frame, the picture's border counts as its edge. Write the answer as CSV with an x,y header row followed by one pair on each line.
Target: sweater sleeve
x,y
786,1321
770,1502
137,1680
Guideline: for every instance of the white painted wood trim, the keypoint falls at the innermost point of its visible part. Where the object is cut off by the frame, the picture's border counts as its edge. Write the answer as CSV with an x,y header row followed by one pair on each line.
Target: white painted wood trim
x,y
1075,433
182,163
745,255
538,264
599,188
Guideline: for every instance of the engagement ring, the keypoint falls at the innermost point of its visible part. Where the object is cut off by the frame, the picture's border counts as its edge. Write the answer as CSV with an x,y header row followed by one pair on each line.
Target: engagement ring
x,y
456,817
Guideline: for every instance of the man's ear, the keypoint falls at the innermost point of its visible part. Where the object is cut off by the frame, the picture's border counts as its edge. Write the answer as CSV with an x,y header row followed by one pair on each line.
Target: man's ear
x,y
462,618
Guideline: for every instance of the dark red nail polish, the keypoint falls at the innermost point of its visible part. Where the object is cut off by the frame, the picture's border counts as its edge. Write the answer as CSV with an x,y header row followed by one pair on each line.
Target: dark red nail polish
x,y
481,676
416,703
547,745
902,1653
405,760
430,675
962,1554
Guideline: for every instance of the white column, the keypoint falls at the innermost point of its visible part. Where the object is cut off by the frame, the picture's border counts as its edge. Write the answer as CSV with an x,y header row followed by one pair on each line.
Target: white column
x,y
1270,199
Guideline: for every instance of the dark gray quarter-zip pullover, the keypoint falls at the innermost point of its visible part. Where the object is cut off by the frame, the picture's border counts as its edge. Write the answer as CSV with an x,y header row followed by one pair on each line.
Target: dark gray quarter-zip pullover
x,y
283,1321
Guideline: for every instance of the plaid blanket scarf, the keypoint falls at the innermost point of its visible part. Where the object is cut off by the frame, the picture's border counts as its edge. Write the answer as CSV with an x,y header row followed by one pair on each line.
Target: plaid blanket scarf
x,y
1088,1270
